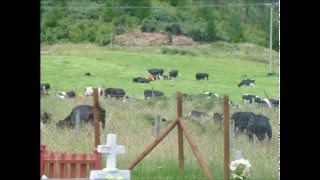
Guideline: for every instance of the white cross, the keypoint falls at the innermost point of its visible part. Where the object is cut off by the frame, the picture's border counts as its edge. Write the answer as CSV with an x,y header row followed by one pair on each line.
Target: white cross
x,y
111,149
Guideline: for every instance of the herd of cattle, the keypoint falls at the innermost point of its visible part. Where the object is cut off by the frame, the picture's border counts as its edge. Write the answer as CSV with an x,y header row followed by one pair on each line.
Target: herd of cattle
x,y
254,124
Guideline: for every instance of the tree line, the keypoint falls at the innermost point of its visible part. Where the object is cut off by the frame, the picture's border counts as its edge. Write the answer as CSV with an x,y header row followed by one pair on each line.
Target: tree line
x,y
98,21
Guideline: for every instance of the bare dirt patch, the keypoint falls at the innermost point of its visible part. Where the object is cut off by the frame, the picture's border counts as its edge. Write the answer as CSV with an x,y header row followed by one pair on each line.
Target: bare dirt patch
x,y
146,39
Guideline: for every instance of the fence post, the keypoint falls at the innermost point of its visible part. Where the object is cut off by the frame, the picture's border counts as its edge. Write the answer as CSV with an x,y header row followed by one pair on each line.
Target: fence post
x,y
157,124
96,117
180,132
226,136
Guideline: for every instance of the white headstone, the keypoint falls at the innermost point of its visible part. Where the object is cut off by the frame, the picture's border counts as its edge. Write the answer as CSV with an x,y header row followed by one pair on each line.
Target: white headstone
x,y
110,172
111,149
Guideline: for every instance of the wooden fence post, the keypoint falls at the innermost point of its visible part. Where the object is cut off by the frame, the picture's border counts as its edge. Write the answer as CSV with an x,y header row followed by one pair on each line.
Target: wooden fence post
x,y
180,133
226,136
96,117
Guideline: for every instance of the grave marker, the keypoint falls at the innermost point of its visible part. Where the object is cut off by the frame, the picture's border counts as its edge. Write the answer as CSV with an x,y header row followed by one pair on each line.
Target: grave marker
x,y
110,172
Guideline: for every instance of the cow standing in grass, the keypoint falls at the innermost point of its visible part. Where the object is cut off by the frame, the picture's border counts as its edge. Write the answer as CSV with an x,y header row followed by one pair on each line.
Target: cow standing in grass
x,y
84,113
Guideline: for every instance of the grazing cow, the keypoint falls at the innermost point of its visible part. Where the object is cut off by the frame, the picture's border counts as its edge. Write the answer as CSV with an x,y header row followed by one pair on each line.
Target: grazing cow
x,y
259,126
45,118
152,93
217,117
200,76
274,102
241,120
140,80
173,73
114,92
87,74
157,73
45,89
247,82
251,98
85,115
88,91
198,114
70,94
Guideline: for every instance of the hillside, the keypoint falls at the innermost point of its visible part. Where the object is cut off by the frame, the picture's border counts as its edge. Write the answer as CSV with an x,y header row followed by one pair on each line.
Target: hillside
x,y
101,22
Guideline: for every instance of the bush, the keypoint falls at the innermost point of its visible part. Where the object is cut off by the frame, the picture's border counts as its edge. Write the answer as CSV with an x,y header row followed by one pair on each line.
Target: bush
x,y
173,29
198,35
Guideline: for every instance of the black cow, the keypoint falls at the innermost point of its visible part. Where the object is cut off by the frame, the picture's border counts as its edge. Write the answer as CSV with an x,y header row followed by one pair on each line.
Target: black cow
x,y
140,80
259,126
45,89
173,73
45,118
85,115
247,82
198,114
152,93
114,93
217,117
158,73
70,94
241,120
200,76
87,74
251,98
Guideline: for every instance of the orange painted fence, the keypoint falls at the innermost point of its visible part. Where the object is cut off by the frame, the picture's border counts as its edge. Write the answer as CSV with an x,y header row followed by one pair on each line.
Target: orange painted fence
x,y
64,165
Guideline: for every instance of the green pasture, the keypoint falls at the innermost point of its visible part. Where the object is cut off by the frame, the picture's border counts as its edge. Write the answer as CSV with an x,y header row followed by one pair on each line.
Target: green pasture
x,y
64,66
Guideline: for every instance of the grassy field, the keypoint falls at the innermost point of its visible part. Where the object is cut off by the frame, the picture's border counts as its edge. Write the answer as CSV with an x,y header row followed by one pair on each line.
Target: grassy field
x,y
115,67
63,66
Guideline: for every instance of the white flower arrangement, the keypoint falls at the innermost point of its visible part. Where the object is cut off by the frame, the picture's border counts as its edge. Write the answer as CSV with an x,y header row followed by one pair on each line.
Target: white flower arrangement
x,y
240,169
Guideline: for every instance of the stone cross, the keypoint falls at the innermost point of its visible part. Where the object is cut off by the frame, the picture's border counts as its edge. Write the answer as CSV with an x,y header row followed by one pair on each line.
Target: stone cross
x,y
111,149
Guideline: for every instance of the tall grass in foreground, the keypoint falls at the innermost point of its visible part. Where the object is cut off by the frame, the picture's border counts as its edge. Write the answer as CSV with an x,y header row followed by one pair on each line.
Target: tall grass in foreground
x,y
132,122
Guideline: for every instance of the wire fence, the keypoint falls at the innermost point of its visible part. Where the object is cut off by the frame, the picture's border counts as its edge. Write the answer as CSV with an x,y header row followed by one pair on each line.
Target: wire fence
x,y
137,122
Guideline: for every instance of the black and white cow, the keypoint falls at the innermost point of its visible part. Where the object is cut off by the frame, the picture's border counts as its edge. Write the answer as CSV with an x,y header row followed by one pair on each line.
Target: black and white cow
x,y
152,93
88,91
70,94
247,82
270,102
114,93
140,80
198,114
45,89
200,76
157,73
85,115
259,126
251,98
173,73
